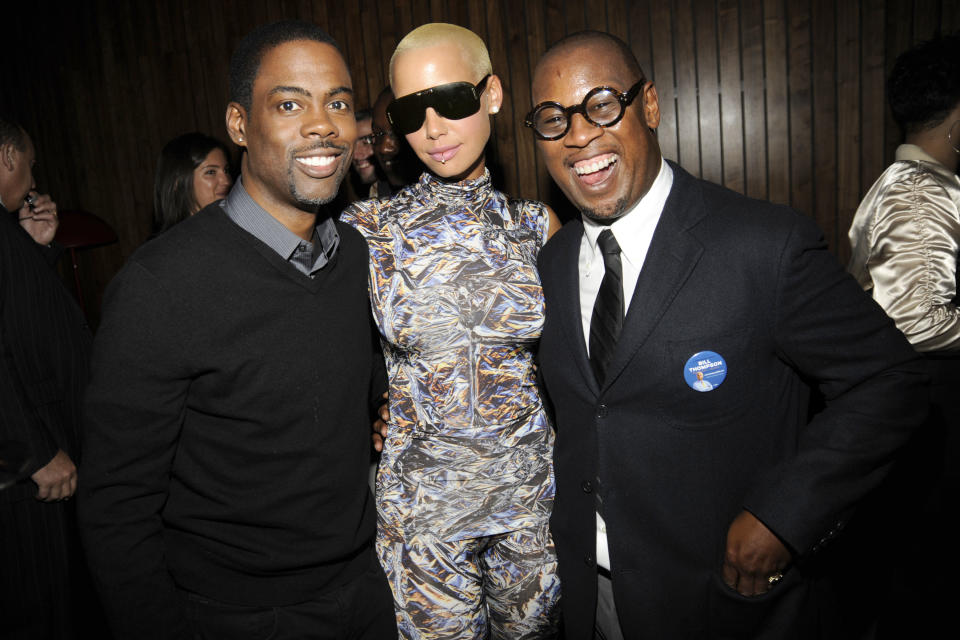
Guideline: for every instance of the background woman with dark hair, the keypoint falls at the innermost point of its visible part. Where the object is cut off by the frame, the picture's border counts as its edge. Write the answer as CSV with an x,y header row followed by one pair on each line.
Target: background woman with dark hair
x,y
192,172
906,239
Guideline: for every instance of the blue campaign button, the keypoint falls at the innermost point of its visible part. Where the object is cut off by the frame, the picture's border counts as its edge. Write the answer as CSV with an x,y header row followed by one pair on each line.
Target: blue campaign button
x,y
705,371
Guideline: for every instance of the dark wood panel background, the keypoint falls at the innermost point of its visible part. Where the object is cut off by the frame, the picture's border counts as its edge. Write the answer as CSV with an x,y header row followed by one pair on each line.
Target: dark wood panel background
x,y
778,99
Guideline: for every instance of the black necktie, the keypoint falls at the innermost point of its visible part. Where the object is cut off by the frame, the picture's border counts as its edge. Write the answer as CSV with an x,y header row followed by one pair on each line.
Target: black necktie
x,y
607,319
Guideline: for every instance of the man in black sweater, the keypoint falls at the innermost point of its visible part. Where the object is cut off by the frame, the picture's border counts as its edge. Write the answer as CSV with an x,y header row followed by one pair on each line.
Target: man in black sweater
x,y
227,420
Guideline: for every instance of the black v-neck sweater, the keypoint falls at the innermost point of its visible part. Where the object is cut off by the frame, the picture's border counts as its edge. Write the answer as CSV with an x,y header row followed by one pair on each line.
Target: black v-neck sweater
x,y
227,425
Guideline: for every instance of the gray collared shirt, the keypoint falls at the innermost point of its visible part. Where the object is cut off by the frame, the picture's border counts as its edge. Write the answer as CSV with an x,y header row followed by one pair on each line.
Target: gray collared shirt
x,y
307,257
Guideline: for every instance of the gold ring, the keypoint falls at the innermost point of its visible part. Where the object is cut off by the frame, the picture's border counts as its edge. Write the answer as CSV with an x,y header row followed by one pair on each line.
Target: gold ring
x,y
775,578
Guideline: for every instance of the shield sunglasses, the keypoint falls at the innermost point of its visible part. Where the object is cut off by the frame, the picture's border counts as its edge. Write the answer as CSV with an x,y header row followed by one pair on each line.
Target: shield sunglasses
x,y
452,101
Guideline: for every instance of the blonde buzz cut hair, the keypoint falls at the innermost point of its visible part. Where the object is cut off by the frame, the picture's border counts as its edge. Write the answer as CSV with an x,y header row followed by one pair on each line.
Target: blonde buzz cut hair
x,y
436,33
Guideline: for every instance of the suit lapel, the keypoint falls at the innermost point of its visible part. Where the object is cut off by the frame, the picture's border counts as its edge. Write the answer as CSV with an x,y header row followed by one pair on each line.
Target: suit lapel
x,y
672,256
568,301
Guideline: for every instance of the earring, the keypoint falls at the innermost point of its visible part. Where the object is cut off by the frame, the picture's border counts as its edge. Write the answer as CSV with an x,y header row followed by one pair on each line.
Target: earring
x,y
494,110
950,137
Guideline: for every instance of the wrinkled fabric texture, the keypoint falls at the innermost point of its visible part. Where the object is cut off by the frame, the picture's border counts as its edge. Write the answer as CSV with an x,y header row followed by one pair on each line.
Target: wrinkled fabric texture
x,y
905,239
494,587
457,299
468,455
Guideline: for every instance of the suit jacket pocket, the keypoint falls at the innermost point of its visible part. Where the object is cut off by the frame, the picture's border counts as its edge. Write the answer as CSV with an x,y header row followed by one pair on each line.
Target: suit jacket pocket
x,y
731,615
684,407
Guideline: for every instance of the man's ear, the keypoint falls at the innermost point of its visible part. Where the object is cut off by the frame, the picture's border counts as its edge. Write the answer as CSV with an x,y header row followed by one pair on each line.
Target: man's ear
x,y
651,106
8,157
236,119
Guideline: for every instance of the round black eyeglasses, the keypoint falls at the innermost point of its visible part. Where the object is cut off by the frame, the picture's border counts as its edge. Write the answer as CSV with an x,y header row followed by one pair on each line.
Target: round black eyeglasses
x,y
601,107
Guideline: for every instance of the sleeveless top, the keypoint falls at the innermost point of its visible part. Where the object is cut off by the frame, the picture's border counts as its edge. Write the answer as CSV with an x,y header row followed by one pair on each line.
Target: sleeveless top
x,y
457,299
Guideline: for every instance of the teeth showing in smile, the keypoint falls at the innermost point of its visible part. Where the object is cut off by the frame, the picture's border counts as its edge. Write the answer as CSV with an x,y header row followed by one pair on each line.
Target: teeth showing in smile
x,y
317,161
594,164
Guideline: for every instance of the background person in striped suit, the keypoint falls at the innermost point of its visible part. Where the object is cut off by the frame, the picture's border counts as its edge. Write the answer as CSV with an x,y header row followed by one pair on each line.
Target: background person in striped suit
x,y
44,349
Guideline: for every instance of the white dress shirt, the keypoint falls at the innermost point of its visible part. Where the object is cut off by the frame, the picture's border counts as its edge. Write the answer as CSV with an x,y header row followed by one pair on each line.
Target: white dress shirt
x,y
633,231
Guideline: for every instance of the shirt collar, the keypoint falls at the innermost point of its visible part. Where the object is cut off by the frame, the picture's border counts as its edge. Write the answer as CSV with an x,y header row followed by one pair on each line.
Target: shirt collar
x,y
254,219
634,229
913,152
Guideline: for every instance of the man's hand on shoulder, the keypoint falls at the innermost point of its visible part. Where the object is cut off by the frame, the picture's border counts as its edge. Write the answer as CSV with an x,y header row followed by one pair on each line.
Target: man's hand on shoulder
x,y
57,480
754,555
39,219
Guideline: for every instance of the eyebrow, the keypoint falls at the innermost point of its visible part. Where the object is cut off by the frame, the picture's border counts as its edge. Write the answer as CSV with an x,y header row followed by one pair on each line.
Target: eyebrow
x,y
306,94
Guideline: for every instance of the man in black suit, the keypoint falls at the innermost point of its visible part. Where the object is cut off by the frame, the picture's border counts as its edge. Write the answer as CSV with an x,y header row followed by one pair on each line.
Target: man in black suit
x,y
691,506
44,344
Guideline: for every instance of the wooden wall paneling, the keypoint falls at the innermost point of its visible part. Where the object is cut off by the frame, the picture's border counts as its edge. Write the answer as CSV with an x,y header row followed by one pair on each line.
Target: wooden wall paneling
x,y
555,20
950,16
235,27
382,25
515,103
872,160
477,22
370,73
536,42
267,12
685,78
504,159
250,14
662,74
898,37
617,19
116,94
708,87
438,11
317,14
823,23
731,96
926,19
218,70
420,13
403,11
341,27
144,19
281,10
595,12
82,88
639,32
775,39
195,81
159,136
126,77
458,12
754,112
573,13
848,122
801,107
304,9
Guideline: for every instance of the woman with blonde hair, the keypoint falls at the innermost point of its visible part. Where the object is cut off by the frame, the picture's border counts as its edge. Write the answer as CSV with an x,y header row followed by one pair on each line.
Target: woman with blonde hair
x,y
465,486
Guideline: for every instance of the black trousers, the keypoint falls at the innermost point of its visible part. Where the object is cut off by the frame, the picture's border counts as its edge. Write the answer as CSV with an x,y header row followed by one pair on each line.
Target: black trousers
x,y
45,588
359,610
